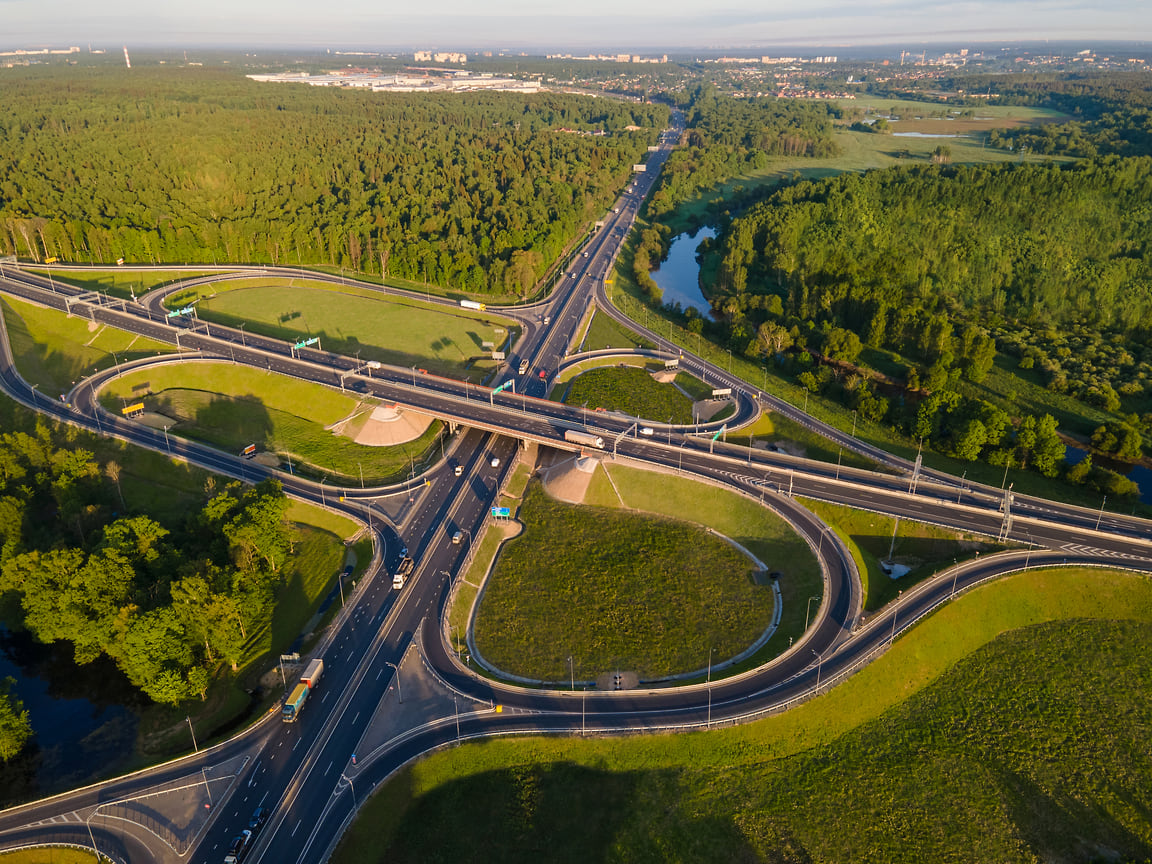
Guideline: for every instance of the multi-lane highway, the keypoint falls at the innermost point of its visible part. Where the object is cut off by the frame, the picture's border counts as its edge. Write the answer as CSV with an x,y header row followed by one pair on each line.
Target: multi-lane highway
x,y
297,770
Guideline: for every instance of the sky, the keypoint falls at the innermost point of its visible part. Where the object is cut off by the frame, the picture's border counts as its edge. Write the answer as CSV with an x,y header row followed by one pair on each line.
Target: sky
x,y
550,25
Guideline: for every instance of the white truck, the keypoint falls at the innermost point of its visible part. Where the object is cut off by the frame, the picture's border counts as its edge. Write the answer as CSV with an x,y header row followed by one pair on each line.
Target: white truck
x,y
586,438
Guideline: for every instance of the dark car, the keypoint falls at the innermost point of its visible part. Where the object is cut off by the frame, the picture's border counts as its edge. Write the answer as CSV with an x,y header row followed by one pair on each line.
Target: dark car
x,y
239,847
258,819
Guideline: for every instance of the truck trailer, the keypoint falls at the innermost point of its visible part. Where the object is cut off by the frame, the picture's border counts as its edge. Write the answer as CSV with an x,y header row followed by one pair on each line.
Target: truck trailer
x,y
472,304
299,695
585,438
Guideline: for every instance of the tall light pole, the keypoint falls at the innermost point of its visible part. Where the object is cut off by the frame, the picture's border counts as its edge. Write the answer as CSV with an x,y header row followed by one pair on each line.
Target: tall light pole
x,y
166,442
399,692
571,673
709,682
1101,514
243,344
348,780
819,663
809,611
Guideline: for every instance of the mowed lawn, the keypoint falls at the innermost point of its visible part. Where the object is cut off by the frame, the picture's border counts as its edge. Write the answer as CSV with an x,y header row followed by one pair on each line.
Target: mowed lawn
x,y
1011,726
632,391
231,406
351,321
615,591
54,350
766,535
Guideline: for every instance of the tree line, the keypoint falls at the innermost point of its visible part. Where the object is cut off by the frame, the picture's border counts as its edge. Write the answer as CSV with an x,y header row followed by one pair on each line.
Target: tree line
x,y
171,608
477,191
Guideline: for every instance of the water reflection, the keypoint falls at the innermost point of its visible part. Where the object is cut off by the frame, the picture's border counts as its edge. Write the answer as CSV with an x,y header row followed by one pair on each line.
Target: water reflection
x,y
679,274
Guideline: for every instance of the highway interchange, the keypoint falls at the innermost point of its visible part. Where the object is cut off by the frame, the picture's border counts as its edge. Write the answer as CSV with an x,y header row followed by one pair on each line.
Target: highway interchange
x,y
299,771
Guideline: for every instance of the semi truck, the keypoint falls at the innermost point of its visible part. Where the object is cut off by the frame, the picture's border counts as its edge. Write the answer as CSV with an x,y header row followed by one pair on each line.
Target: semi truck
x,y
303,688
472,304
585,438
406,567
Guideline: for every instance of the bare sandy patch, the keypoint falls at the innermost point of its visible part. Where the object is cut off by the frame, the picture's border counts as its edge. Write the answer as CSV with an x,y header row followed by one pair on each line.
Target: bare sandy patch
x,y
389,425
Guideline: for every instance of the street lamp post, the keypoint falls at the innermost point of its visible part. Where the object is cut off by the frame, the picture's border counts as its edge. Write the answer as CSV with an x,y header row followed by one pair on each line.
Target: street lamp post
x,y
166,441
243,344
323,503
809,611
1101,514
819,663
399,692
571,673
709,682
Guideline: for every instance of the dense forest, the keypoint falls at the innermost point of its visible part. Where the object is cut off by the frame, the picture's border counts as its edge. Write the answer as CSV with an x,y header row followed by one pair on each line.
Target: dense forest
x,y
725,137
169,607
949,266
478,192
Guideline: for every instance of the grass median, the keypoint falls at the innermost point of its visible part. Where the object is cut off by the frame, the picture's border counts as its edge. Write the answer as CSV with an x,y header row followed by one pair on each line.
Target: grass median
x,y
995,731
631,391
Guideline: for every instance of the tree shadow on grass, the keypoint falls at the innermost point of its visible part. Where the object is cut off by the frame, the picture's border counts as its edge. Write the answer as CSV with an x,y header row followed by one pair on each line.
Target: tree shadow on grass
x,y
556,812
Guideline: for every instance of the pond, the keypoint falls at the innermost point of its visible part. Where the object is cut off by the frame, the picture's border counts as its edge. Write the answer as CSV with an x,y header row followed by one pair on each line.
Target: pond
x,y
679,273
81,726
1138,474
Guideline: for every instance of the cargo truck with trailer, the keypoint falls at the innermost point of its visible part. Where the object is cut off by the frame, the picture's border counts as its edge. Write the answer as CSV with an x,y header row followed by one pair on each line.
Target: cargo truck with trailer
x,y
586,438
299,695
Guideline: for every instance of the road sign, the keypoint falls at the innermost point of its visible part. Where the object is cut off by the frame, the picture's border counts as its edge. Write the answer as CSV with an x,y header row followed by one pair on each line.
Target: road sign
x,y
720,432
129,410
503,386
502,512
249,450
307,342
721,392
498,355
672,364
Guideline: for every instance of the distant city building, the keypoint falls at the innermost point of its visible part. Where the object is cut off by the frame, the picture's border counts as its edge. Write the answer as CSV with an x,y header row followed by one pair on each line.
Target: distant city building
x,y
440,57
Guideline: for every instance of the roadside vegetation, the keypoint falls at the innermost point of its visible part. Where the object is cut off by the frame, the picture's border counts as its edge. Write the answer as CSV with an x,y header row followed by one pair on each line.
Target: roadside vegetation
x,y
177,582
631,391
232,406
126,284
615,591
974,721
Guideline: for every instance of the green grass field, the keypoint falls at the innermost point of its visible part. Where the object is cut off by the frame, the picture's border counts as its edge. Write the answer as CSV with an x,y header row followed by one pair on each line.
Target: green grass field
x,y
754,527
615,591
356,321
604,332
54,350
926,549
984,735
632,391
232,406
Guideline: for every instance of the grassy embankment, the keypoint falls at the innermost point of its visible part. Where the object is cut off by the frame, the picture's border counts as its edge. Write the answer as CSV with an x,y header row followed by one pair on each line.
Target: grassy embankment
x,y
615,591
926,549
50,855
231,406
358,322
984,735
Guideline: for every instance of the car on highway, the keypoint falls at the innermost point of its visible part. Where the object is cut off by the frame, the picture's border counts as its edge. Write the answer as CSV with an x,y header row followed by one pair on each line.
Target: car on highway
x,y
458,470
646,430
258,819
585,254
547,319
238,849
543,375
523,365
495,461
458,536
